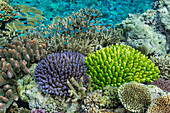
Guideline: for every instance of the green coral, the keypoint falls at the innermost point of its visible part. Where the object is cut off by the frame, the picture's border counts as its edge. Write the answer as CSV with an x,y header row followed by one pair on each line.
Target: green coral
x,y
117,64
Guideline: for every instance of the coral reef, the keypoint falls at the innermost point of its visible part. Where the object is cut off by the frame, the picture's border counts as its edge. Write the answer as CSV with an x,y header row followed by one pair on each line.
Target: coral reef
x,y
81,32
53,72
117,64
161,105
163,64
142,37
161,83
135,97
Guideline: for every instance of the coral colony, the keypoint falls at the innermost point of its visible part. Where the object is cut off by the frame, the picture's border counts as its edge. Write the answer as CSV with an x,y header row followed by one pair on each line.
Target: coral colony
x,y
93,56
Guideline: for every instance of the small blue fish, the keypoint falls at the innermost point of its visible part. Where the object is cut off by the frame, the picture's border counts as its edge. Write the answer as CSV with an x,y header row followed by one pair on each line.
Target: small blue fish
x,y
14,11
89,28
16,17
83,36
1,19
8,15
21,34
65,29
65,43
92,21
23,14
94,14
32,9
31,13
94,24
18,30
38,18
46,35
27,33
74,17
2,12
72,31
97,30
20,24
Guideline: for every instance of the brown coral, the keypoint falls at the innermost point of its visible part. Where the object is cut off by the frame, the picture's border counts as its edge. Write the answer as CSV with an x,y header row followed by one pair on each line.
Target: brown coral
x,y
18,56
161,105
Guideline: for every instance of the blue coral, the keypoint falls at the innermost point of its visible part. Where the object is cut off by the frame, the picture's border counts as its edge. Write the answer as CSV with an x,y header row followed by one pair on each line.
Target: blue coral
x,y
53,72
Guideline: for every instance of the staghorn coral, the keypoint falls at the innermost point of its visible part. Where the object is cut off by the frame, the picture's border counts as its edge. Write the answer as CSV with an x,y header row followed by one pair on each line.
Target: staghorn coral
x,y
117,64
81,32
161,83
163,64
161,105
81,90
135,97
53,72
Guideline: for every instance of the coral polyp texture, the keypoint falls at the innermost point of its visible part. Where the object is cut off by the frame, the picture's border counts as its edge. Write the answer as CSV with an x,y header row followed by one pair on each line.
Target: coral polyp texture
x,y
161,105
163,64
135,97
117,64
53,72
18,57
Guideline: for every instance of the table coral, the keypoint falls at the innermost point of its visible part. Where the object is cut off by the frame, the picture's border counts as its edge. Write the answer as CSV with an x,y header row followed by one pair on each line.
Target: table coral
x,y
135,97
117,64
53,72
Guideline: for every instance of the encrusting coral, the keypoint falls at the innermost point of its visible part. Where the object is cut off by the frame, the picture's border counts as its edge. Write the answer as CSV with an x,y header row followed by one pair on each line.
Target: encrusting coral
x,y
117,64
162,83
161,105
135,97
163,64
53,72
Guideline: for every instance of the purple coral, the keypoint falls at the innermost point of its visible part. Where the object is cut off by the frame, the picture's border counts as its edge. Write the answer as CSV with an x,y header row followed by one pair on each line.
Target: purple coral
x,y
53,72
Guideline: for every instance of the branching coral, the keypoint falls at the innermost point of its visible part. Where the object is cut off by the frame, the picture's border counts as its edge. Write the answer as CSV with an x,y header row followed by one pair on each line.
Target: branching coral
x,y
81,90
18,56
81,32
135,97
161,105
53,72
117,64
163,64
